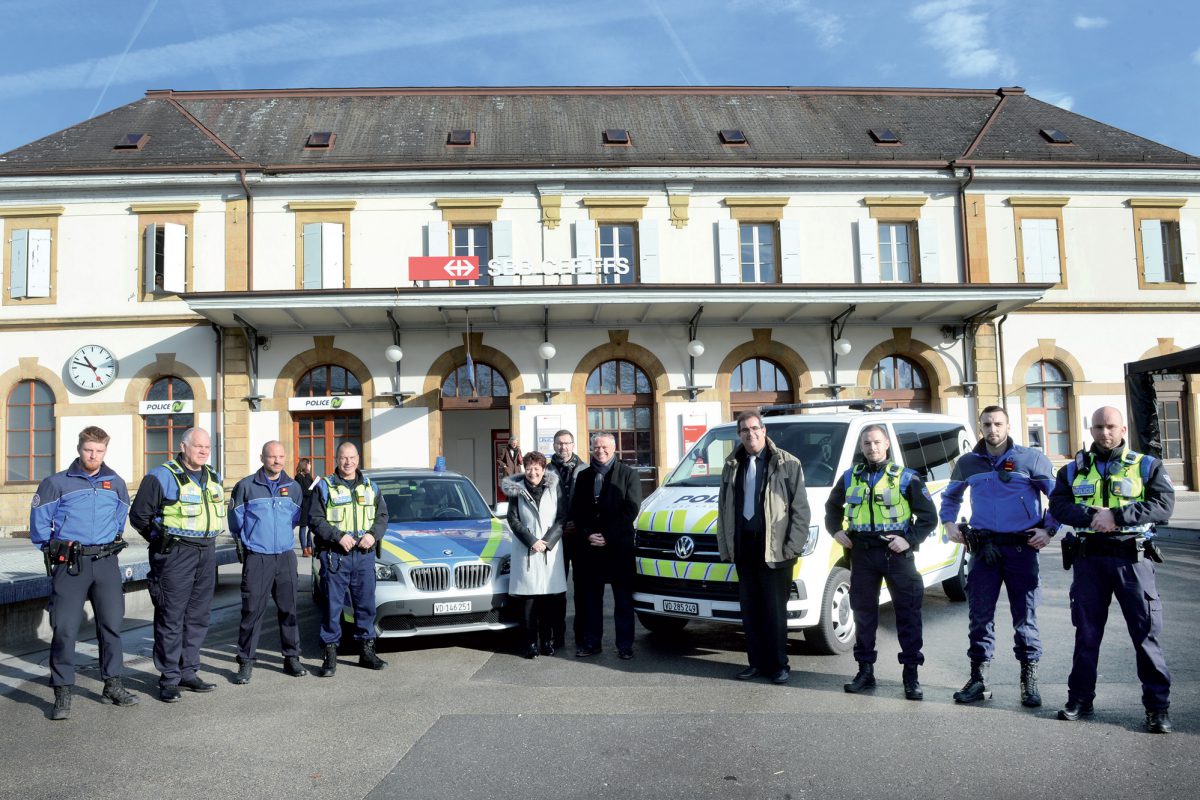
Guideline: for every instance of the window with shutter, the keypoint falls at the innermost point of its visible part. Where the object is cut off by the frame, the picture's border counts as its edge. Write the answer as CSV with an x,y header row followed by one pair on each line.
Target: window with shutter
x,y
29,255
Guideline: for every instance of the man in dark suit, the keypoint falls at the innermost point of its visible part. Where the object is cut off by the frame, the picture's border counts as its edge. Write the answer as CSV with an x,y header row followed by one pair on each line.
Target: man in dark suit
x,y
605,504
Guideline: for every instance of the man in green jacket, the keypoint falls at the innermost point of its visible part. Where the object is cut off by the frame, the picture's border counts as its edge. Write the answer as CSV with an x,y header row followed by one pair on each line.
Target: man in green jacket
x,y
762,524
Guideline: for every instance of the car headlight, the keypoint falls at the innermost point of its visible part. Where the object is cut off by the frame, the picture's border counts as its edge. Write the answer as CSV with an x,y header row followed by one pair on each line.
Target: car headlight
x,y
810,544
385,572
505,565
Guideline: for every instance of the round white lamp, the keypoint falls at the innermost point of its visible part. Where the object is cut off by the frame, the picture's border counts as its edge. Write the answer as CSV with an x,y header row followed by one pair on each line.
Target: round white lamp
x,y
393,353
695,348
841,346
546,351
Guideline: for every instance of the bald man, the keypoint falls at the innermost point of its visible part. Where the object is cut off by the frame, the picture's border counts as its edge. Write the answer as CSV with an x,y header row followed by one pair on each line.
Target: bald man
x,y
264,510
1113,497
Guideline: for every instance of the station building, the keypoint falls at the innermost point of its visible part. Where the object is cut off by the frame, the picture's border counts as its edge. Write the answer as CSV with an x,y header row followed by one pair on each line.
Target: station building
x,y
429,271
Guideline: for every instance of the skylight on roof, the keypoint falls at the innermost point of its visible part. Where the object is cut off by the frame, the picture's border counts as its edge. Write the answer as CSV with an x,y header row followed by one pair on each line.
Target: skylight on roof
x,y
884,136
132,141
461,138
733,136
1055,136
320,140
617,136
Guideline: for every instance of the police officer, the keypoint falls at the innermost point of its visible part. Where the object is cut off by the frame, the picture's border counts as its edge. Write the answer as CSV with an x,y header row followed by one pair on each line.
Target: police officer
x,y
1113,497
77,519
880,513
263,511
348,517
1008,528
180,510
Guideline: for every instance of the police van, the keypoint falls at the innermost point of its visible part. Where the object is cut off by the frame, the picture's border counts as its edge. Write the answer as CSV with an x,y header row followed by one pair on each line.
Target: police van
x,y
680,576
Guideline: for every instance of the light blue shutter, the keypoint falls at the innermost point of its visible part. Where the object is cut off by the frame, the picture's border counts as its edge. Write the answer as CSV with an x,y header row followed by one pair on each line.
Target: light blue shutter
x,y
502,252
37,283
868,250
585,250
1191,259
1152,251
437,243
728,264
312,255
790,242
332,256
150,258
174,257
648,269
927,239
20,261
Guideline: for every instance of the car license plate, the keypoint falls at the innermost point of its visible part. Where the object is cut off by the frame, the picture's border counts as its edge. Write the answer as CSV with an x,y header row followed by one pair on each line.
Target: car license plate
x,y
676,607
452,608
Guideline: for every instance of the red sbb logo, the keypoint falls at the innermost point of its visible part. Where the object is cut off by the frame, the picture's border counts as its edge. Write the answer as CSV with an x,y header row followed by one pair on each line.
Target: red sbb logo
x,y
440,268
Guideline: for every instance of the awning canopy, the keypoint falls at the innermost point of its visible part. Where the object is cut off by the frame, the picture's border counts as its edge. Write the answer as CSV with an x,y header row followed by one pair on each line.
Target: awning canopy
x,y
334,311
1181,361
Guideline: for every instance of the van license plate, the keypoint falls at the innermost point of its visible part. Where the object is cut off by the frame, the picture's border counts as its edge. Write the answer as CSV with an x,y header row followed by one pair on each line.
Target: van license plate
x,y
675,607
452,608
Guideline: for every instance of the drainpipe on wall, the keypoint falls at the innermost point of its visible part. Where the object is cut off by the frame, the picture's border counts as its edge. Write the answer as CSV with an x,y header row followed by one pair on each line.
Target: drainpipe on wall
x,y
249,231
962,218
999,328
219,400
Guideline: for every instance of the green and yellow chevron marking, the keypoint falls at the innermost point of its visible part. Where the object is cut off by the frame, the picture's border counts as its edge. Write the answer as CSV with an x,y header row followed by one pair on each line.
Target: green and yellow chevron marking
x,y
684,570
679,522
493,544
400,553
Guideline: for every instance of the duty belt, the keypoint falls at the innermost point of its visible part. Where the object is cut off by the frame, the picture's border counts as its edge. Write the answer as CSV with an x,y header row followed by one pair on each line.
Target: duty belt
x,y
191,541
869,540
1004,539
103,550
1127,547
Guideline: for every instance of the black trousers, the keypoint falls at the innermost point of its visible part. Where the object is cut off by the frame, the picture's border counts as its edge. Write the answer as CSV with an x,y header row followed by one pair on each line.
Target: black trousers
x,y
589,604
869,567
181,585
98,580
268,575
763,593
538,614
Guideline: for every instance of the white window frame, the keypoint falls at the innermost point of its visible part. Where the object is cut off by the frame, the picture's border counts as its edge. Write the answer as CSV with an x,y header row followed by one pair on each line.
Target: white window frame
x,y
888,251
756,243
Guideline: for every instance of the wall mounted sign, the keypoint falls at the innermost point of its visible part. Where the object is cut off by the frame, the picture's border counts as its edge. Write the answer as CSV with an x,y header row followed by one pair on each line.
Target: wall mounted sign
x,y
336,403
165,407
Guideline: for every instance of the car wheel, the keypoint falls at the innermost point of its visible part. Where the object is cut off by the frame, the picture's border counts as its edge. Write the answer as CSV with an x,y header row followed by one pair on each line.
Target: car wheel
x,y
956,587
835,632
657,624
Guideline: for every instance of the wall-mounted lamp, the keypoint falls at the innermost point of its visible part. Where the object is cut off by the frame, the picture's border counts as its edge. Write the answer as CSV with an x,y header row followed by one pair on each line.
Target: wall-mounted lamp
x,y
842,347
394,354
695,349
546,351
838,346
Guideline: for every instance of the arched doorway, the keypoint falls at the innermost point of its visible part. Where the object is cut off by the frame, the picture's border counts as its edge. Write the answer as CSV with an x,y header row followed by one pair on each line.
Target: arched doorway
x,y
475,423
317,434
620,401
758,382
1047,409
901,383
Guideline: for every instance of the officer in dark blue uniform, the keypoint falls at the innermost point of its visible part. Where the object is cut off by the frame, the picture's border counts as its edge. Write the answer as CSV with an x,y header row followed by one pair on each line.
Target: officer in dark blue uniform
x,y
1113,497
1008,528
263,512
180,510
348,518
880,513
77,519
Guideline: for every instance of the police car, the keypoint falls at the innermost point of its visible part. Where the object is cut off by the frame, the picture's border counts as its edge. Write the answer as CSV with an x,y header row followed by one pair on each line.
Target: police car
x,y
679,574
442,566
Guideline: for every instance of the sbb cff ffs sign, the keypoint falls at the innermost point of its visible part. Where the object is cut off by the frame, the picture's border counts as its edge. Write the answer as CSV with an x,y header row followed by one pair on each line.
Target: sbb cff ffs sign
x,y
443,268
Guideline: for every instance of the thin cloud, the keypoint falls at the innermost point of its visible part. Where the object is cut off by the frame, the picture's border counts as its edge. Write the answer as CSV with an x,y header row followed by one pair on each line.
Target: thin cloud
x,y
137,31
1090,23
958,29
827,25
1054,97
694,74
1196,56
294,41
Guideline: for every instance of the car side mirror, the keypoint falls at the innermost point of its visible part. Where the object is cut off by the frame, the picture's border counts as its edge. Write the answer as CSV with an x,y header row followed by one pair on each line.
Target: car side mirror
x,y
501,509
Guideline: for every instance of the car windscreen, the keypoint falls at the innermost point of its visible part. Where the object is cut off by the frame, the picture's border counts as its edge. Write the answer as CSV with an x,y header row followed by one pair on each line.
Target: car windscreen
x,y
428,498
818,445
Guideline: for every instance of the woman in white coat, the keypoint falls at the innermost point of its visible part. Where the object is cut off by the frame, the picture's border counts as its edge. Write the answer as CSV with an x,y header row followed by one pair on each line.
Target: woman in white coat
x,y
536,509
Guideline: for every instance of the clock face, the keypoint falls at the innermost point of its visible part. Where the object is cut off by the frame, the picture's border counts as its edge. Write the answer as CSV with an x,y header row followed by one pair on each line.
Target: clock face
x,y
92,367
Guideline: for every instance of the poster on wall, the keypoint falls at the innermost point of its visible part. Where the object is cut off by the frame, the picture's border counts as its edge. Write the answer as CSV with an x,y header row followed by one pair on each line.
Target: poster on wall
x,y
694,426
545,426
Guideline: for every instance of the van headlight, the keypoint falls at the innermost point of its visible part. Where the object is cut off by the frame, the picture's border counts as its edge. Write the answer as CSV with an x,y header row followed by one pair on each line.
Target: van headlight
x,y
385,572
810,544
505,565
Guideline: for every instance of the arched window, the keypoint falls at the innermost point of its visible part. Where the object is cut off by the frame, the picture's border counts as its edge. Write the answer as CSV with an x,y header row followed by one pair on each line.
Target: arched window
x,y
475,385
758,382
318,433
30,432
620,401
163,431
900,383
1047,392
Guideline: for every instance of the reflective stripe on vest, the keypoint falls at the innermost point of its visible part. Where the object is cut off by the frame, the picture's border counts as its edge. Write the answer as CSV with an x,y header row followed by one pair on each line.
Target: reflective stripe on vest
x,y
1119,488
880,508
351,512
200,510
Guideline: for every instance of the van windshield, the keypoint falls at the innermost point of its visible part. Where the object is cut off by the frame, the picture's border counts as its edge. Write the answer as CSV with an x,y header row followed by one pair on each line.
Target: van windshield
x,y
818,445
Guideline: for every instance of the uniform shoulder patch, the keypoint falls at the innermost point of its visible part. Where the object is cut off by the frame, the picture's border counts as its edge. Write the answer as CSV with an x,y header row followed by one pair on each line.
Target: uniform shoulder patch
x,y
36,501
925,491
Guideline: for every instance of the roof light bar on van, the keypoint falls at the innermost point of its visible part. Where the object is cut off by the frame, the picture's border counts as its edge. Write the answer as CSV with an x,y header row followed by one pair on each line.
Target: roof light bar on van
x,y
872,404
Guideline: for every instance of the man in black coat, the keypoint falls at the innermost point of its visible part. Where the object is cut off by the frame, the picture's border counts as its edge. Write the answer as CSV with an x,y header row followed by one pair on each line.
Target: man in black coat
x,y
605,504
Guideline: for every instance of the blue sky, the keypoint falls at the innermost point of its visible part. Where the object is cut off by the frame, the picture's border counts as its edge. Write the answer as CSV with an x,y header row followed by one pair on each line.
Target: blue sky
x,y
1132,65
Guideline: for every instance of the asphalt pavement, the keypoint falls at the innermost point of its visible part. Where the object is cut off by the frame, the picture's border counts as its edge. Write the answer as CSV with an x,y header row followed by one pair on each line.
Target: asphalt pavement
x,y
465,717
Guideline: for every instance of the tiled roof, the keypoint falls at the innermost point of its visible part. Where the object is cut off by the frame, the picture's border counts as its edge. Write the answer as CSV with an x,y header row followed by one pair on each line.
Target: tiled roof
x,y
562,127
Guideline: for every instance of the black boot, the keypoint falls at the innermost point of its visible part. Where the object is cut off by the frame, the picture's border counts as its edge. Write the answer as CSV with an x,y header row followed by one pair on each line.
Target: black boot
x,y
1030,697
329,665
1158,721
116,693
293,667
865,679
62,703
912,687
245,667
975,688
368,658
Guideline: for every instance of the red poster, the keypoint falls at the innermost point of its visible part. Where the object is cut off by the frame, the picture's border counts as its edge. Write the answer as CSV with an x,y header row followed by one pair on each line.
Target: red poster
x,y
691,435
443,268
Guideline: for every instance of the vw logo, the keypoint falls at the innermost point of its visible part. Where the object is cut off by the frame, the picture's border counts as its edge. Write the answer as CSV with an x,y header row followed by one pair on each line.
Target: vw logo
x,y
685,546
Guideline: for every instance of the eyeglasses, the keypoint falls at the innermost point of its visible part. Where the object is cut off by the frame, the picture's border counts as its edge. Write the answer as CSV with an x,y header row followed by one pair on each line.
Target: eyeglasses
x,y
751,429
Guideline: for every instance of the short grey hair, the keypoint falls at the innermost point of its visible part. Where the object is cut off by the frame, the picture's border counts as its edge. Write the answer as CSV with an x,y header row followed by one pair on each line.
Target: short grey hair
x,y
188,435
263,452
604,435
344,445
